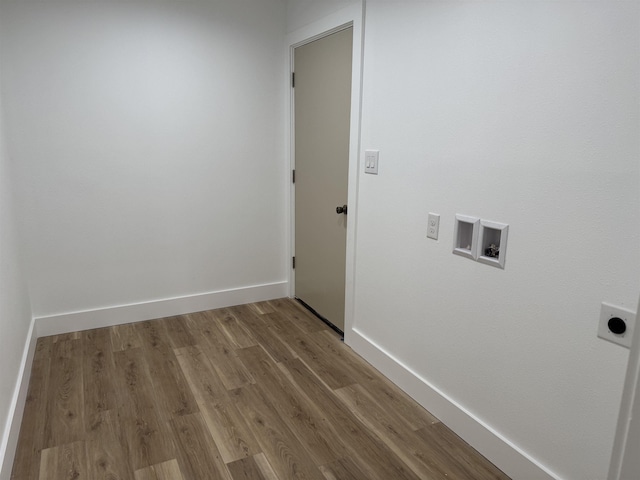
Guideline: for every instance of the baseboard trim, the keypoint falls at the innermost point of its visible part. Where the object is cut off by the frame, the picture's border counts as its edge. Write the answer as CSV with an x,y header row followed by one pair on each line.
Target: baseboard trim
x,y
137,312
16,409
499,450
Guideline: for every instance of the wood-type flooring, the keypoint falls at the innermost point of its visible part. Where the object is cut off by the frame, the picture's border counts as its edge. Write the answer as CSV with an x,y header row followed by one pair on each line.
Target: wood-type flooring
x,y
263,391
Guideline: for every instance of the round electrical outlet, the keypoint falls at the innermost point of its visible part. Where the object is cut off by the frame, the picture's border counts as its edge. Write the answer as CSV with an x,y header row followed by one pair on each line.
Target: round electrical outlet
x,y
617,325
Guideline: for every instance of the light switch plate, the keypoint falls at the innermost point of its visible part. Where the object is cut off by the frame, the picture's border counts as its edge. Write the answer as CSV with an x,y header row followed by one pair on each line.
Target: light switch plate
x,y
371,161
607,312
433,225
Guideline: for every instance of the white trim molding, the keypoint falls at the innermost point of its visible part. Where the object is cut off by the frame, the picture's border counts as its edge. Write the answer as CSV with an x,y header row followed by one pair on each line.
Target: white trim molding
x,y
494,446
351,16
625,463
137,312
9,440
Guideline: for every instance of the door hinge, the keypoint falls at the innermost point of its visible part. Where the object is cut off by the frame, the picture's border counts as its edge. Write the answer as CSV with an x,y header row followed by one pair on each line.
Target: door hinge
x,y
293,262
293,176
293,79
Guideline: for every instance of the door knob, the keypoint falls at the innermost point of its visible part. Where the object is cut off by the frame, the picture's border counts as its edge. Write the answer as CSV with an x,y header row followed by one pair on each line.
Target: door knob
x,y
342,209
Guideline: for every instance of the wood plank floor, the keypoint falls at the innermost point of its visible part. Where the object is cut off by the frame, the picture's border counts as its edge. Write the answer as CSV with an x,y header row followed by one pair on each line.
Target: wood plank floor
x,y
255,392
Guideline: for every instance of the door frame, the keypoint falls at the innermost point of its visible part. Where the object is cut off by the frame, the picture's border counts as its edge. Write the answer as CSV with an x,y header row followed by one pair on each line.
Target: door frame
x,y
623,459
352,16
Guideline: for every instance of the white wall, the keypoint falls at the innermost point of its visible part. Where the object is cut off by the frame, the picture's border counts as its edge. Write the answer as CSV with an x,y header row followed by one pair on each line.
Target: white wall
x,y
525,113
303,12
15,313
147,138
147,155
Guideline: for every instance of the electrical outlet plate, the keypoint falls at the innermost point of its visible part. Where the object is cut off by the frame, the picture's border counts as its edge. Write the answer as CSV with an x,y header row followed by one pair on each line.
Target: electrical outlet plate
x,y
607,312
433,226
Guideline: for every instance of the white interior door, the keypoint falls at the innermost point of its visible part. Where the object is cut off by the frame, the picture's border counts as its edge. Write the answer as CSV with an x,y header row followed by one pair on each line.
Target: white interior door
x,y
322,98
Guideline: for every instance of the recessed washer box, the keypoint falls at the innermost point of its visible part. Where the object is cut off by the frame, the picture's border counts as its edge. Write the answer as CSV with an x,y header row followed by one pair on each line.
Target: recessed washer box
x,y
465,236
492,243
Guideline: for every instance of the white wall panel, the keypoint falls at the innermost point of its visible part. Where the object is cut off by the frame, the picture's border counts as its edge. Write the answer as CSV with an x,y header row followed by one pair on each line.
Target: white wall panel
x,y
147,140
524,113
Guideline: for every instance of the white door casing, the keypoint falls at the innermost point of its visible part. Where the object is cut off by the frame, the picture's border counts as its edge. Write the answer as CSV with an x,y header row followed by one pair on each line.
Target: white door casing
x,y
350,16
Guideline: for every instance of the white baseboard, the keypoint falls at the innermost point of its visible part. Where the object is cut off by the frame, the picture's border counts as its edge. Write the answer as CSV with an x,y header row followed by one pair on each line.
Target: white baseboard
x,y
500,451
137,312
9,439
